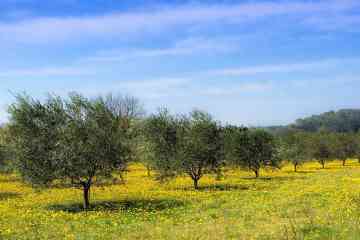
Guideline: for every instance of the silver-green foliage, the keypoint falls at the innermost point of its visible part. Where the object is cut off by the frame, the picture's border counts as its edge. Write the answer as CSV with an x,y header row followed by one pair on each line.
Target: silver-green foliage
x,y
74,139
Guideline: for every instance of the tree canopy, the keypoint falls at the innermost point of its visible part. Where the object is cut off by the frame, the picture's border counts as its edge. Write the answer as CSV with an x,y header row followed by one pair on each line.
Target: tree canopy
x,y
201,147
161,143
74,139
295,147
346,120
189,144
253,149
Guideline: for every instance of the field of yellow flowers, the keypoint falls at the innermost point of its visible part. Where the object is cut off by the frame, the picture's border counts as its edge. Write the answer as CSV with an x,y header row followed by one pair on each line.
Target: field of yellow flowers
x,y
311,204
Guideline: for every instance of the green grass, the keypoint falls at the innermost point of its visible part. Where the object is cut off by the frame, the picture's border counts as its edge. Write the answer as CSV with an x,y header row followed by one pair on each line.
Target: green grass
x,y
310,204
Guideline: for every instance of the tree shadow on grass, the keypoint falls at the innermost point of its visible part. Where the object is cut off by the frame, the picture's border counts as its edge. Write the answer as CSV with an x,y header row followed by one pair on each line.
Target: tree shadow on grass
x,y
304,171
123,205
9,180
216,187
275,179
300,172
8,195
108,183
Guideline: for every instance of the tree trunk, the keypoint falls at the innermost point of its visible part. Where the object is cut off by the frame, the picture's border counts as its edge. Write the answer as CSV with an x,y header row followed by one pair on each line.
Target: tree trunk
x,y
122,179
196,183
343,162
219,175
86,188
256,173
148,171
323,164
295,167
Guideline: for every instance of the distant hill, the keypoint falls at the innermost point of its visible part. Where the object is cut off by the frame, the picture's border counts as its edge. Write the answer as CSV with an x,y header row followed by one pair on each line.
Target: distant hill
x,y
345,120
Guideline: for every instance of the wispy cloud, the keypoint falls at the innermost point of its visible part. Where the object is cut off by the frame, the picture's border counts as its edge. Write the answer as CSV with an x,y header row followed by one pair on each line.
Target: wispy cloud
x,y
157,88
281,68
237,89
189,46
46,72
43,29
85,70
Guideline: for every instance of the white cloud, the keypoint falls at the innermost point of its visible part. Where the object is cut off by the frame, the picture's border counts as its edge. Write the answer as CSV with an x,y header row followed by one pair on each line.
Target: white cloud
x,y
46,72
157,88
149,89
85,70
189,46
238,89
281,68
51,29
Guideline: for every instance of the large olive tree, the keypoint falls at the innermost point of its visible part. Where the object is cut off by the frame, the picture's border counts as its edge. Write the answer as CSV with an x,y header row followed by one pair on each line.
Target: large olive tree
x,y
35,128
74,139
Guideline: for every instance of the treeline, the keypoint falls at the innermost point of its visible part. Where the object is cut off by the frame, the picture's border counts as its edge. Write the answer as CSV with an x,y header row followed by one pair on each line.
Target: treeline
x,y
300,146
342,121
79,141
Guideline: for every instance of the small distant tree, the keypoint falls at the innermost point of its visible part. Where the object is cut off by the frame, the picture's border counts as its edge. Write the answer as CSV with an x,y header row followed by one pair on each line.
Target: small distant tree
x,y
295,148
254,149
231,133
146,156
322,147
7,162
201,145
70,140
2,149
2,156
191,145
345,146
357,137
160,133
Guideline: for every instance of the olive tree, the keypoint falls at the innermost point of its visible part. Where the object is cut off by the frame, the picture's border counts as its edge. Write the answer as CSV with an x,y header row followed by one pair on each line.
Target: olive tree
x,y
201,145
345,146
35,133
254,149
161,138
357,138
75,140
191,145
231,134
295,147
2,156
322,147
130,112
4,149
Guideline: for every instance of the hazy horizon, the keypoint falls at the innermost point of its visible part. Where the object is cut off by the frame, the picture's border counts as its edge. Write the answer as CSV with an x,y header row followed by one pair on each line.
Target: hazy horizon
x,y
257,63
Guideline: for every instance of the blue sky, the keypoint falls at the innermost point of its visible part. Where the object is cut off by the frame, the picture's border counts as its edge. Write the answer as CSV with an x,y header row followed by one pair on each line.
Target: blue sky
x,y
246,62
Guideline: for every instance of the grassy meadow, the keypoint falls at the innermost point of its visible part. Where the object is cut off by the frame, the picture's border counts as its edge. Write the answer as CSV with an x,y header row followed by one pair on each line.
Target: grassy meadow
x,y
311,204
